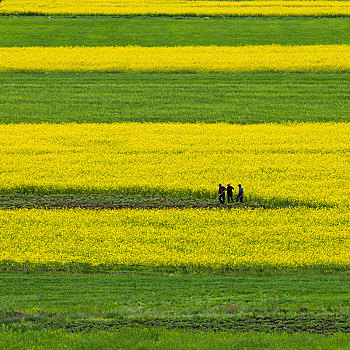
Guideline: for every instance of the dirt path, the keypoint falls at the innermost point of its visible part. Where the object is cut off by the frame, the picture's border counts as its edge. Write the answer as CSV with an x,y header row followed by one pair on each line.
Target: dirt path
x,y
112,201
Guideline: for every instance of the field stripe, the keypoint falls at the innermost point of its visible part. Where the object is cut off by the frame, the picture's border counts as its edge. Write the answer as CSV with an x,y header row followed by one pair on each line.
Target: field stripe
x,y
242,98
213,239
173,7
273,161
169,31
269,58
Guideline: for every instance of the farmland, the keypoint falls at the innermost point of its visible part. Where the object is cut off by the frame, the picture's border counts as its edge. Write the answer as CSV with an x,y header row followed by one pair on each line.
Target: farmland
x,y
170,31
191,59
162,295
177,7
167,339
155,158
100,303
185,98
185,240
119,119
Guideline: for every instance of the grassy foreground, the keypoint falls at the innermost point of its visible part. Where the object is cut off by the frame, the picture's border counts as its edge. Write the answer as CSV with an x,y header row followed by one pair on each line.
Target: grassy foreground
x,y
171,295
137,339
90,31
210,98
140,309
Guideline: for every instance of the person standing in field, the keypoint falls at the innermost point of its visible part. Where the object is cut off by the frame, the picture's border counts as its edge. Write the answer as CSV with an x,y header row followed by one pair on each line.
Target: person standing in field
x,y
240,194
229,190
222,190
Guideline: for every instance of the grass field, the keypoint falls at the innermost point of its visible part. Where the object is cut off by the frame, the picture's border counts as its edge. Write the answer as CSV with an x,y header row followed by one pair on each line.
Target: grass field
x,y
167,339
111,234
267,303
189,98
174,311
161,295
87,31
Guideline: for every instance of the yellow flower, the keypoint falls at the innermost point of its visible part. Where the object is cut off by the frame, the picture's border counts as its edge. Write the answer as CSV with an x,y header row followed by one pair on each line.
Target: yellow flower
x,y
272,161
215,239
177,7
270,58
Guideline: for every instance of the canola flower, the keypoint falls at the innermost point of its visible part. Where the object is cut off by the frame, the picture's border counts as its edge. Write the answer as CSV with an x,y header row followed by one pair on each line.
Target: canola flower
x,y
306,163
176,7
266,58
194,238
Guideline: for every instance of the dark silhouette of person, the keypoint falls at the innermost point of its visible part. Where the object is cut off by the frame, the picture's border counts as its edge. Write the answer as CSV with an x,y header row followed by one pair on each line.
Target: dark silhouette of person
x,y
240,194
222,190
229,190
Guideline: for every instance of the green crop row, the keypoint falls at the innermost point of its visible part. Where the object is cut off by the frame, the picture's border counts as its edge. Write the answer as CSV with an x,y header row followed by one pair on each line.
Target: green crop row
x,y
210,98
90,31
137,339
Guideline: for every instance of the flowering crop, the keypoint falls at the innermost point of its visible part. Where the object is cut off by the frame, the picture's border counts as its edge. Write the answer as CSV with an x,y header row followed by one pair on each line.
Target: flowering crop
x,y
329,58
274,162
215,239
177,7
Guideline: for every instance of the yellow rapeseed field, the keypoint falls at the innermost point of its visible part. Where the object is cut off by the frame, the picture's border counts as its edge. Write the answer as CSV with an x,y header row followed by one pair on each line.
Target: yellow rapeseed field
x,y
276,163
177,7
270,58
297,238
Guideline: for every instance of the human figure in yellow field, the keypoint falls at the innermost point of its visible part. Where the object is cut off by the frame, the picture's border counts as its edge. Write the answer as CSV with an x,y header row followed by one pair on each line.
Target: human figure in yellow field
x,y
222,190
240,194
229,190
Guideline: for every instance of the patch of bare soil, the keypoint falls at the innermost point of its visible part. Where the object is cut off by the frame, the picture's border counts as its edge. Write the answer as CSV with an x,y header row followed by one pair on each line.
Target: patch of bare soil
x,y
110,201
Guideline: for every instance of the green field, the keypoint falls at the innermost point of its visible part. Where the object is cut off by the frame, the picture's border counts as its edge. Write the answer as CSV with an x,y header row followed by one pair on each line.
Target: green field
x,y
210,98
162,311
174,295
269,303
169,31
167,339
167,311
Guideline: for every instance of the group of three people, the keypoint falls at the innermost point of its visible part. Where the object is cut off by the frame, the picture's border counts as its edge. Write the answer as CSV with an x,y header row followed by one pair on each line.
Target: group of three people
x,y
229,190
